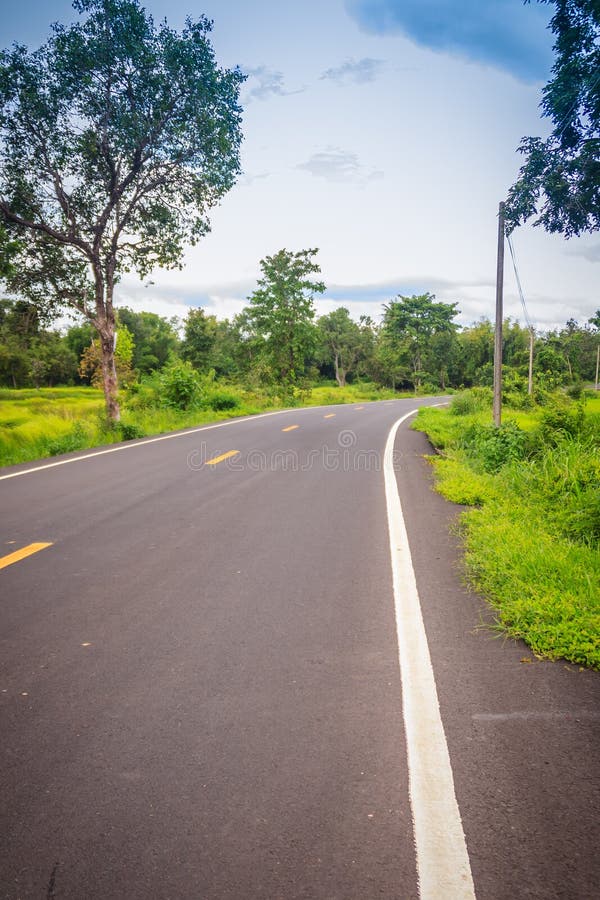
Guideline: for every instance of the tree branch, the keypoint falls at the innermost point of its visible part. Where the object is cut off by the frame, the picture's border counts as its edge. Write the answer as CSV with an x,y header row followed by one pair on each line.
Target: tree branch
x,y
62,238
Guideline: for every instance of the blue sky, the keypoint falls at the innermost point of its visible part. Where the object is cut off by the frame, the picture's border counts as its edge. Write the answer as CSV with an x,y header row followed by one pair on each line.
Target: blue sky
x,y
383,132
501,33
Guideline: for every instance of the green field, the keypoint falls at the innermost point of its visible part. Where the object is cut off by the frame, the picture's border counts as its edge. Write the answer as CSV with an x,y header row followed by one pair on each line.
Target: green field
x,y
35,424
532,535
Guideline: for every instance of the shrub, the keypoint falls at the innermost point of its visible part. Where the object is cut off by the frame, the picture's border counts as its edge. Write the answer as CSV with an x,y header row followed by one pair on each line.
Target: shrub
x,y
494,446
76,439
575,390
560,419
181,386
131,432
143,395
222,400
473,401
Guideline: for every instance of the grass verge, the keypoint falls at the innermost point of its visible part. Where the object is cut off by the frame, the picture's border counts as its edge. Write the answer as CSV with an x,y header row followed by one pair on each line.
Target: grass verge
x,y
532,535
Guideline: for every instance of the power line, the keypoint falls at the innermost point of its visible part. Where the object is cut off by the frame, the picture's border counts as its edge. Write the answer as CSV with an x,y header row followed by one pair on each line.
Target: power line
x,y
527,319
518,280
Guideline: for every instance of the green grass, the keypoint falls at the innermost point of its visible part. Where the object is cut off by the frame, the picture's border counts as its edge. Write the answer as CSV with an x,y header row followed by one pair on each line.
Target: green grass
x,y
532,536
39,423
324,395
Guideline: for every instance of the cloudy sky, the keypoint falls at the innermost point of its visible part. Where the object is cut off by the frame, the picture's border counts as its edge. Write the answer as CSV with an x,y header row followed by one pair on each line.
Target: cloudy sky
x,y
382,132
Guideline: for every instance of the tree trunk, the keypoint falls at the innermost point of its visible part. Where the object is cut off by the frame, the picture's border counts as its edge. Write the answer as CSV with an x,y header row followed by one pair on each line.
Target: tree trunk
x,y
109,373
340,374
106,327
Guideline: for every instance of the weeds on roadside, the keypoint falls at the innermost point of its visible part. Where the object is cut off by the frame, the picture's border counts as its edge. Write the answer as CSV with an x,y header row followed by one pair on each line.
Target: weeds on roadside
x,y
532,538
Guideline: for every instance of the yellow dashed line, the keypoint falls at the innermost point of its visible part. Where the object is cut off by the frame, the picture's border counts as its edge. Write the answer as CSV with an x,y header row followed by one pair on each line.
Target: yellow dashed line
x,y
329,416
21,554
290,428
358,407
218,459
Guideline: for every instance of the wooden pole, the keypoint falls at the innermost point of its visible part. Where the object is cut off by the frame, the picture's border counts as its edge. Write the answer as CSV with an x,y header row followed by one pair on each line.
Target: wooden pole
x,y
530,382
498,331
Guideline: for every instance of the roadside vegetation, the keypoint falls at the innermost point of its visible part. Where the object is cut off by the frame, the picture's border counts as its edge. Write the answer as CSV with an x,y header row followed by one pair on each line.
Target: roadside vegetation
x,y
532,533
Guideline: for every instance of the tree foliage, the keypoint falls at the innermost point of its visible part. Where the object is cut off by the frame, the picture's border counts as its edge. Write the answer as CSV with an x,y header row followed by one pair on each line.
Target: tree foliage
x,y
281,313
155,339
560,179
343,341
409,324
116,138
200,334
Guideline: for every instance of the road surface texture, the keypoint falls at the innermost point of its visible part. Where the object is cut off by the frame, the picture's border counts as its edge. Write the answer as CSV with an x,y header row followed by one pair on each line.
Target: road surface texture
x,y
201,690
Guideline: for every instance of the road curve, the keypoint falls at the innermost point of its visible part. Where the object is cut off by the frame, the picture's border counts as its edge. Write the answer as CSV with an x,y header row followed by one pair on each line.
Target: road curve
x,y
200,684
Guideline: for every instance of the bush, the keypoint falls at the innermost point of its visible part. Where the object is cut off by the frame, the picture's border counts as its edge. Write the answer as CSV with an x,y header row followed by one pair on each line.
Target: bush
x,y
575,390
181,386
518,400
131,432
493,446
76,439
222,400
532,542
143,395
473,401
560,419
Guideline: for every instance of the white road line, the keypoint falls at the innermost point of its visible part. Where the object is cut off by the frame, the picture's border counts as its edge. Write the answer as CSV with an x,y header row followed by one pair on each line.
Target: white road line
x,y
443,866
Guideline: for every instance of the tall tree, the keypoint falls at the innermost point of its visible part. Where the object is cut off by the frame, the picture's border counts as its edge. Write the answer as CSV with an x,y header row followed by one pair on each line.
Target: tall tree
x,y
281,312
116,137
408,325
560,180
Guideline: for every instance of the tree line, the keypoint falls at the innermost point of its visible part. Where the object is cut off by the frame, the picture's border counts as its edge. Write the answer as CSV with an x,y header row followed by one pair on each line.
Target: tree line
x,y
278,342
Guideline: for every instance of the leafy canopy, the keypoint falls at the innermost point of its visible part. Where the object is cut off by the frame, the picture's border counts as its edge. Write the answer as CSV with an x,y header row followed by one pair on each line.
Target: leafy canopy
x,y
409,324
344,341
116,137
560,180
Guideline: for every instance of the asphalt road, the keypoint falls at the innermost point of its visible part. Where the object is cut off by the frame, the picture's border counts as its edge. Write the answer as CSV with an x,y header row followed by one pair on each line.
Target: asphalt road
x,y
201,694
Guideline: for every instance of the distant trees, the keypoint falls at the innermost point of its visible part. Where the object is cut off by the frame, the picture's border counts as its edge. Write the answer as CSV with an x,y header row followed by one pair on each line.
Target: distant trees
x,y
277,344
409,326
31,355
116,138
560,180
200,334
345,342
155,339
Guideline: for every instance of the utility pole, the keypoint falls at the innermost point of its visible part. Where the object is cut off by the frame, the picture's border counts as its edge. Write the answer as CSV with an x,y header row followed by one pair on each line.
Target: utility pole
x,y
597,366
498,332
530,382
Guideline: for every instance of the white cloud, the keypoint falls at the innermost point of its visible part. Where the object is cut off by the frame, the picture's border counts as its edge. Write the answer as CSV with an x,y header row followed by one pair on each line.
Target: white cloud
x,y
358,71
264,83
335,164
